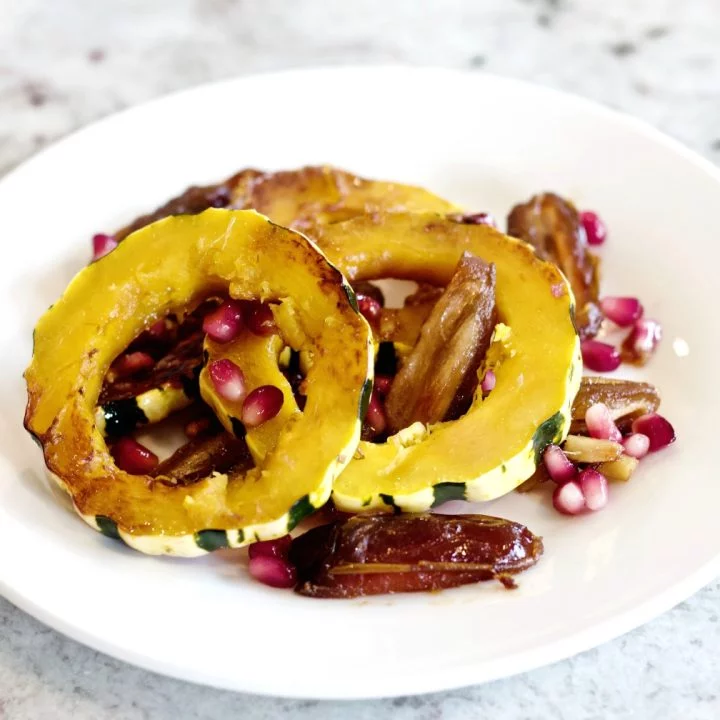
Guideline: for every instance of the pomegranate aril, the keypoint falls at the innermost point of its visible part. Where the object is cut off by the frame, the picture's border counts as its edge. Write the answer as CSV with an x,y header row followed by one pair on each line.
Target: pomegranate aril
x,y
375,418
599,356
595,229
279,548
260,319
382,384
636,445
659,431
568,498
261,405
370,308
273,571
623,311
594,486
488,382
133,363
158,330
640,344
558,465
227,379
132,457
225,323
600,424
102,245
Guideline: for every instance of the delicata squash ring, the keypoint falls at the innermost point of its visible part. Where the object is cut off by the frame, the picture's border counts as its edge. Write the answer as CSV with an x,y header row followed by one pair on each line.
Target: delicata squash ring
x,y
168,267
497,444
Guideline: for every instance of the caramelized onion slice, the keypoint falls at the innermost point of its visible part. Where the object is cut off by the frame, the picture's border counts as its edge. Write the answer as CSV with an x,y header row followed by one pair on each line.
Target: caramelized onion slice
x,y
439,377
625,399
552,226
378,554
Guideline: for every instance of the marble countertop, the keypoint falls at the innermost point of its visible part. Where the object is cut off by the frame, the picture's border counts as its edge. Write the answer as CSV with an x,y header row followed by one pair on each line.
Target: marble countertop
x,y
66,63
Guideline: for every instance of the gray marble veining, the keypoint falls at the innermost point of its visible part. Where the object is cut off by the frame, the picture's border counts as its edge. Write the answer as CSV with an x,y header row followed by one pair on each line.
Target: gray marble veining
x,y
67,62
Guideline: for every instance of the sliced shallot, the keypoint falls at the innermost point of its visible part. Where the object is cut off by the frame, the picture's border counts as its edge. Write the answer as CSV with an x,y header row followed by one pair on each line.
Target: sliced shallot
x,y
659,431
599,356
623,311
227,379
225,323
600,424
594,486
568,498
636,445
558,465
276,572
261,405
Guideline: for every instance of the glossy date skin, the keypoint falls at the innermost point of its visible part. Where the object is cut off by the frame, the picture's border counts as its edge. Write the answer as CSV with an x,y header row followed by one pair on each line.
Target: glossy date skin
x,y
380,554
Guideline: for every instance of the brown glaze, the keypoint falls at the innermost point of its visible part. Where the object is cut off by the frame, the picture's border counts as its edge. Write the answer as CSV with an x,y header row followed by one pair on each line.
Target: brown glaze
x,y
552,226
626,400
439,377
378,554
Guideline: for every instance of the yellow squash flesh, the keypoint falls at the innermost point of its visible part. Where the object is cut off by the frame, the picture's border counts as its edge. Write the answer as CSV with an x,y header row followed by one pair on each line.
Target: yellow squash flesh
x,y
497,444
165,268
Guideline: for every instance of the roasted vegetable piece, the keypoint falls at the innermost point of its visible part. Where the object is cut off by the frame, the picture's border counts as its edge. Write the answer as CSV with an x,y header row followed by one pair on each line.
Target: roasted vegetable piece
x,y
166,268
201,457
441,371
171,385
313,196
378,554
496,445
626,400
552,226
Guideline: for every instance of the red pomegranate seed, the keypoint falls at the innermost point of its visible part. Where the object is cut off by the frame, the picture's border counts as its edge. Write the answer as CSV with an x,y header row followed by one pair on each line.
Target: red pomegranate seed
x,y
273,571
132,457
279,548
594,486
623,311
158,330
558,465
227,379
225,323
260,320
382,384
261,405
599,356
133,363
488,382
370,308
600,424
568,498
375,418
640,344
636,445
102,245
659,431
595,229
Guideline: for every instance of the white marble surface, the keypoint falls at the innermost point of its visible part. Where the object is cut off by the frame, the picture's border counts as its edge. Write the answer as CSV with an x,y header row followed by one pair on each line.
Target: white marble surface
x,y
66,62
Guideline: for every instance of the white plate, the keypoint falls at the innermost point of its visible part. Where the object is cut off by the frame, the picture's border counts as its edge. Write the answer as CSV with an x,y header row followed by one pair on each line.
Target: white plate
x,y
484,142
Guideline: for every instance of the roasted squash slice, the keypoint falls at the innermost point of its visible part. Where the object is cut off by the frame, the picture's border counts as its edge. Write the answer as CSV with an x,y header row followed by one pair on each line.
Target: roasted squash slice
x,y
497,444
168,267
